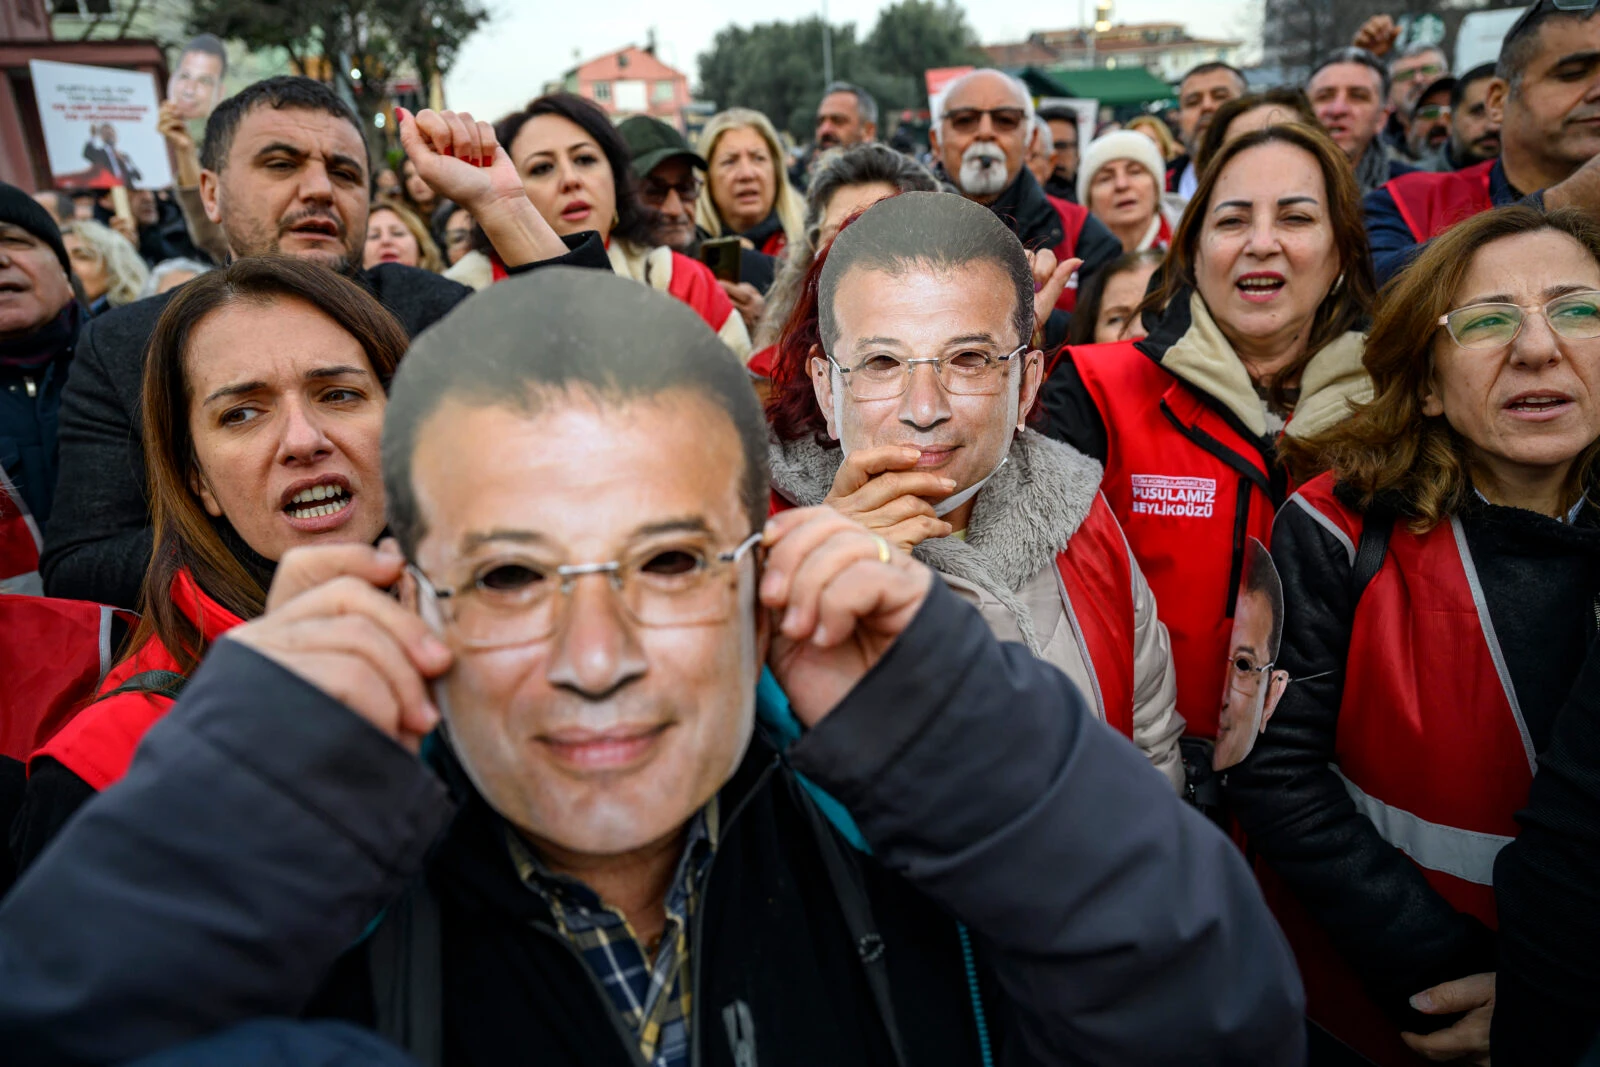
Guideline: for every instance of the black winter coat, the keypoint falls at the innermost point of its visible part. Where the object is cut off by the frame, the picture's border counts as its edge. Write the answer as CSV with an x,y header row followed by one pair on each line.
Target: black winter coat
x,y
1540,579
1114,923
220,879
98,544
30,406
1547,887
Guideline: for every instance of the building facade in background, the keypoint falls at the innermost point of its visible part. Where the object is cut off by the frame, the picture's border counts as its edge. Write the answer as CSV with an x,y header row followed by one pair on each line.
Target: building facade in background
x,y
632,81
1165,49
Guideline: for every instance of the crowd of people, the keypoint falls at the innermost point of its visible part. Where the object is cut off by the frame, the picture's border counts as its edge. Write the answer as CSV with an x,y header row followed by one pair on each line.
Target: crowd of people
x,y
1123,595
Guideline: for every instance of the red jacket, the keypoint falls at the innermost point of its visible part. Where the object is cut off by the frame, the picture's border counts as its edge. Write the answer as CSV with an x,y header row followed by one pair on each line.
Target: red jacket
x,y
1430,742
1432,203
1097,594
692,282
1188,489
54,655
1429,746
1072,220
19,541
99,743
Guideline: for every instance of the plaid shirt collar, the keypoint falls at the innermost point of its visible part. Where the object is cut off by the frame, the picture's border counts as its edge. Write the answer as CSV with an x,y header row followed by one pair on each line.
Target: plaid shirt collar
x,y
653,997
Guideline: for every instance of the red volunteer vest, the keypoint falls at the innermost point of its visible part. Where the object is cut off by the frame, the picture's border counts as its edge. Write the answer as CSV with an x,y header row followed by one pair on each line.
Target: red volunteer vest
x,y
98,744
1097,592
1188,490
1432,203
1072,220
1431,745
54,654
19,539
1431,741
1096,585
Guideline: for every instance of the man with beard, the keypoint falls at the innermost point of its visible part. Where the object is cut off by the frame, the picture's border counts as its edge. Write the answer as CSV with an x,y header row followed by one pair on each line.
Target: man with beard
x,y
1543,99
981,127
284,170
1474,132
668,176
1428,132
846,115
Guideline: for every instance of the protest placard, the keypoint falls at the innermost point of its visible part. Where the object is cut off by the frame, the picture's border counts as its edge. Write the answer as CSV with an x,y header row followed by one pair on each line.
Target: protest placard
x,y
100,126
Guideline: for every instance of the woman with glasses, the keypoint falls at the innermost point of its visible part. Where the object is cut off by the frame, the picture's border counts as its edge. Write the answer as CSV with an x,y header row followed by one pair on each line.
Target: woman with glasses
x,y
1254,333
1443,586
748,194
264,393
576,170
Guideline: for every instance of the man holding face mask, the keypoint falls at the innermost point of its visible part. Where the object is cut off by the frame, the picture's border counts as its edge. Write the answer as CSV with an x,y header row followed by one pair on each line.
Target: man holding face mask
x,y
925,376
635,875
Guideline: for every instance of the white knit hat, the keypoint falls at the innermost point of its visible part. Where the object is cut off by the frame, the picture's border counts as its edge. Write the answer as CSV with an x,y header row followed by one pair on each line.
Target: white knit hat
x,y
1123,144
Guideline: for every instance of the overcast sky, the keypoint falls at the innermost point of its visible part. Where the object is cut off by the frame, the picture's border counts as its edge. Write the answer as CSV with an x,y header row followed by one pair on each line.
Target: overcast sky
x,y
529,42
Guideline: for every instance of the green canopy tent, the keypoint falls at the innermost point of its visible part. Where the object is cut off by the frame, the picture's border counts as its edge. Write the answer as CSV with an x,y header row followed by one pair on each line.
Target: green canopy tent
x,y
1039,83
1118,88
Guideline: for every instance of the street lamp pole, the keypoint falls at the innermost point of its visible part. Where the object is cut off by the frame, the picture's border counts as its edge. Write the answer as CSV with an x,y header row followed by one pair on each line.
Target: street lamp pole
x,y
827,47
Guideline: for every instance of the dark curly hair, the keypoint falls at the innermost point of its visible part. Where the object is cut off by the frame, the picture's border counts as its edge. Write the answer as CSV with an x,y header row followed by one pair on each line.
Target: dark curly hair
x,y
633,225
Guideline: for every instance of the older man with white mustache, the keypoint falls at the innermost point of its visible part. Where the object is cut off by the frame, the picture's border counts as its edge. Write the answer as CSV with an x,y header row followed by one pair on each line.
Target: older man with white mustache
x,y
982,125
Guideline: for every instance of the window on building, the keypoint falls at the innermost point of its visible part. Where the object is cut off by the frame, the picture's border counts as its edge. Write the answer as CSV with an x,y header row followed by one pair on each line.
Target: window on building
x,y
602,90
632,95
82,8
662,92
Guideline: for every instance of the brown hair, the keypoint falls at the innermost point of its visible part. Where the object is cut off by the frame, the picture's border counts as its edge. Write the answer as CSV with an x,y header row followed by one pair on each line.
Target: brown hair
x,y
428,257
186,538
1291,97
1389,446
1348,303
1160,132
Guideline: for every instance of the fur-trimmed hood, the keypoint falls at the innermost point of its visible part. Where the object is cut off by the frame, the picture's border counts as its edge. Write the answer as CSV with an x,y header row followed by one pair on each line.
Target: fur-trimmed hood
x,y
1021,520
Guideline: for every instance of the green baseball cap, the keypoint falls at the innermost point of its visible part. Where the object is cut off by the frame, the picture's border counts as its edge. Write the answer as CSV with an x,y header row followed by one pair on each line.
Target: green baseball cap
x,y
652,142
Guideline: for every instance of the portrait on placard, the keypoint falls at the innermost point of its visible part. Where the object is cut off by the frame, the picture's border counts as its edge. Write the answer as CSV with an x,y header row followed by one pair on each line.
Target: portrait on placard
x,y
195,87
99,126
1252,684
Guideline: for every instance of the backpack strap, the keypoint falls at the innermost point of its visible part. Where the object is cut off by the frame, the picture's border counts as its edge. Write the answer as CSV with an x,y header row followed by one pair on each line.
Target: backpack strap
x,y
849,886
156,683
405,962
1375,530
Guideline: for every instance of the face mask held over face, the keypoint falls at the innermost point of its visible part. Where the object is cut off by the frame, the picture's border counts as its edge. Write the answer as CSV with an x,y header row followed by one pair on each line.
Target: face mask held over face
x,y
950,503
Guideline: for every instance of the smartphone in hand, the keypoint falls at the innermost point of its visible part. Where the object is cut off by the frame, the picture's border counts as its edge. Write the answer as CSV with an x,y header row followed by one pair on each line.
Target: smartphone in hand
x,y
721,254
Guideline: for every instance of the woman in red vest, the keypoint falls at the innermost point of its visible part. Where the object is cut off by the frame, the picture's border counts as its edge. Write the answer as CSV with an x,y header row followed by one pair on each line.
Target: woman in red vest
x,y
264,392
1442,584
1254,325
903,385
576,171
